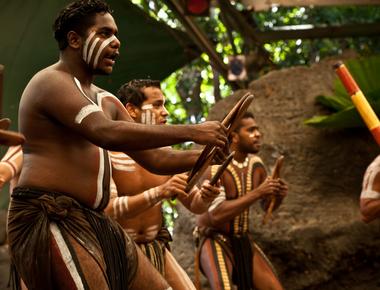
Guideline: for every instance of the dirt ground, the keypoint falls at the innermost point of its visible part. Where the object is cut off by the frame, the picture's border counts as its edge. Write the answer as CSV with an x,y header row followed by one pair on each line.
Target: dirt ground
x,y
316,240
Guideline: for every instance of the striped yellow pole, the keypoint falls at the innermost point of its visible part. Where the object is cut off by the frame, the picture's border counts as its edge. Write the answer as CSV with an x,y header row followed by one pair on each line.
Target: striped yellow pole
x,y
364,108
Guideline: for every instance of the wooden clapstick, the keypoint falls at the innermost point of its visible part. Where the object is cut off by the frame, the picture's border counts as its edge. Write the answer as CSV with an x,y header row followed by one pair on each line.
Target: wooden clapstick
x,y
275,175
208,153
221,168
10,138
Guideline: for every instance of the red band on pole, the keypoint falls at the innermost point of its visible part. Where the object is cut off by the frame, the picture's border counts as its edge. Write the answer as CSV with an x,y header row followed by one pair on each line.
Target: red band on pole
x,y
376,134
346,78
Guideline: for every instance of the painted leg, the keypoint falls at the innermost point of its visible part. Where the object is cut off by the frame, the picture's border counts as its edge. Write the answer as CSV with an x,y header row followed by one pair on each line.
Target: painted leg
x,y
263,276
175,275
216,265
147,277
73,268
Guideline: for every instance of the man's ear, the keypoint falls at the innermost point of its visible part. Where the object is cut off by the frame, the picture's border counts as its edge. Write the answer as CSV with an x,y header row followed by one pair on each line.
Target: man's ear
x,y
132,110
73,39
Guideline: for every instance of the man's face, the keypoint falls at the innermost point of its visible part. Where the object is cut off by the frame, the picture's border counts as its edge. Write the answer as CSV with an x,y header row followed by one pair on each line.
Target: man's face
x,y
101,46
152,110
248,136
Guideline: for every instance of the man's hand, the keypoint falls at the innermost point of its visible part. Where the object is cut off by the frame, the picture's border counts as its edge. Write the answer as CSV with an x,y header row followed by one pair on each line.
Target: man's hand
x,y
269,187
174,187
210,133
209,192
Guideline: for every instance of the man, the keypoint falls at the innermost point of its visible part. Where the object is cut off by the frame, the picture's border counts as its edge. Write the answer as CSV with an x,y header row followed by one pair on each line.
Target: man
x,y
228,255
142,217
370,195
58,236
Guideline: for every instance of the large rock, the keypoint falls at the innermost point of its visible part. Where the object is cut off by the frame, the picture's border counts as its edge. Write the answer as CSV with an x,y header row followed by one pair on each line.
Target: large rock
x,y
316,240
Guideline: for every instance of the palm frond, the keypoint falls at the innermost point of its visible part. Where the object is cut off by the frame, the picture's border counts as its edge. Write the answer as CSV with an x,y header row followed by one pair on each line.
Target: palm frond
x,y
366,72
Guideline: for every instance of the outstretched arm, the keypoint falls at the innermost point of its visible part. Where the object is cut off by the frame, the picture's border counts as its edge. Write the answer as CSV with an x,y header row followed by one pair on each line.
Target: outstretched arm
x,y
121,207
87,119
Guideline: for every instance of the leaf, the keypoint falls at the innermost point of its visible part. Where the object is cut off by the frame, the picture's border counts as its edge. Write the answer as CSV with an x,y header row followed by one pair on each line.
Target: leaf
x,y
336,103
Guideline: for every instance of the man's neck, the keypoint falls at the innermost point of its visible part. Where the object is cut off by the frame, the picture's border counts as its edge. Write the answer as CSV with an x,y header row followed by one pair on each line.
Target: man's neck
x,y
76,67
240,156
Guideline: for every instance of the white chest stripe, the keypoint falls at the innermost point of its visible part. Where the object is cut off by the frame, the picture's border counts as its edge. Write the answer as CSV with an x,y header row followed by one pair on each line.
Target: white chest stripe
x,y
85,112
99,193
66,256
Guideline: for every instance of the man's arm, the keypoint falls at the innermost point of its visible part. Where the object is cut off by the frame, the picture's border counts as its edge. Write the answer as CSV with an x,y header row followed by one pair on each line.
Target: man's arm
x,y
224,210
10,164
70,107
121,207
199,200
370,199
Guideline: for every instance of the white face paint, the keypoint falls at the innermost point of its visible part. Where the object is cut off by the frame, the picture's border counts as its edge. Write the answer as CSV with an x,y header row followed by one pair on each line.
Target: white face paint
x,y
148,117
251,135
89,48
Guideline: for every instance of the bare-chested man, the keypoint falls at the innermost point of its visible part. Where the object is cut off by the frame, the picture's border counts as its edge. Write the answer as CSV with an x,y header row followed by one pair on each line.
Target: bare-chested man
x,y
58,236
228,256
139,205
370,195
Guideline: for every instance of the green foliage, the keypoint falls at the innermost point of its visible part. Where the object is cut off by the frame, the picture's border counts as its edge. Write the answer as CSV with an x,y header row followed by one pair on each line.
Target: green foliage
x,y
366,73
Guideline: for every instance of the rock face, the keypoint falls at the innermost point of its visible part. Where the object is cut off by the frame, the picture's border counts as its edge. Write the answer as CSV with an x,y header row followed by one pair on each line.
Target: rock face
x,y
316,239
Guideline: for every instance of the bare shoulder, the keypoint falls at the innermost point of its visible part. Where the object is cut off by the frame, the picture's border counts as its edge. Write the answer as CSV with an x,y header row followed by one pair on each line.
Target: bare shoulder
x,y
47,82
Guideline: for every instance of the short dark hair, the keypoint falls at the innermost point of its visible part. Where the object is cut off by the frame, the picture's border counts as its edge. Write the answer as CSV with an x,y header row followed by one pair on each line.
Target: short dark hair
x,y
77,16
131,92
246,115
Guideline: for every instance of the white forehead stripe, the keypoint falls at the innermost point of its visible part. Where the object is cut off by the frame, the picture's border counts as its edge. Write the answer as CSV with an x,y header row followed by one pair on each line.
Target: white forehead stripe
x,y
86,45
147,107
102,46
370,194
85,111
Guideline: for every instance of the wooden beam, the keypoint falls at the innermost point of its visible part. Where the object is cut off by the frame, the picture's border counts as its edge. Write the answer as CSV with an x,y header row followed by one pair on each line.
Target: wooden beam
x,y
261,5
201,40
370,30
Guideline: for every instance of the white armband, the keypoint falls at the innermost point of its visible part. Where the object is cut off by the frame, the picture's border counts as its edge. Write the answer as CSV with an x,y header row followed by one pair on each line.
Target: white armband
x,y
85,112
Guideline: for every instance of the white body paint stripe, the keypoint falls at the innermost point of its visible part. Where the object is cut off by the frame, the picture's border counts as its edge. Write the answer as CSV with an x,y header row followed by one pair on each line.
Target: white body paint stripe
x,y
99,193
147,107
91,51
86,45
369,177
218,200
370,194
123,167
85,112
119,160
66,256
102,46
